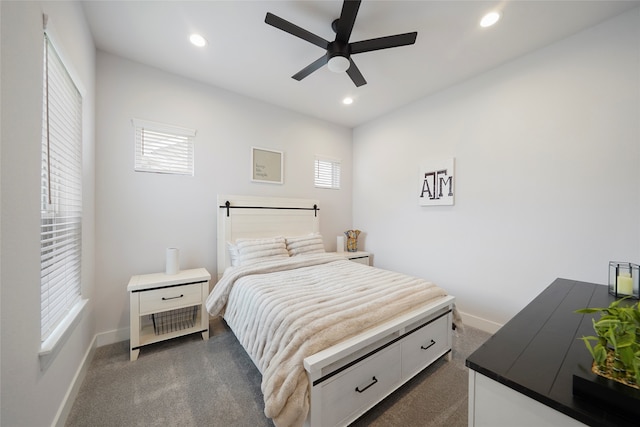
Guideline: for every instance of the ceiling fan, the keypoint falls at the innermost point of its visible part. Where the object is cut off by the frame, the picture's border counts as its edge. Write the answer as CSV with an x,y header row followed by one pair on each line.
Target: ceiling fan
x,y
339,51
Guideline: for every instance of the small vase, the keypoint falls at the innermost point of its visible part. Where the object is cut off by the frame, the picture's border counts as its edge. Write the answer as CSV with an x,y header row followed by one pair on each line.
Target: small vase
x,y
352,240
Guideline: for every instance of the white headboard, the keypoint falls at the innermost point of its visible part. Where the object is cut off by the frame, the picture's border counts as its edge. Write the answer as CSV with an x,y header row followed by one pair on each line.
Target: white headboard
x,y
258,217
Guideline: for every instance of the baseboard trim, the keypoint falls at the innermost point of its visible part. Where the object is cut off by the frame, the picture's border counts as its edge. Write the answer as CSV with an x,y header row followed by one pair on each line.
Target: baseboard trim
x,y
70,397
480,323
112,337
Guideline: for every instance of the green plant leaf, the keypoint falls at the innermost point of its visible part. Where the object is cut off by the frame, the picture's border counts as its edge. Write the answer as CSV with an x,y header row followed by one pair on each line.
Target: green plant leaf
x,y
589,347
600,354
626,356
611,338
588,310
618,329
626,340
607,322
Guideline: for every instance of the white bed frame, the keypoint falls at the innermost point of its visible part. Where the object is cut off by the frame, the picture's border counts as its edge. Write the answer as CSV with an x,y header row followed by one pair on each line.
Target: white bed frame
x,y
351,377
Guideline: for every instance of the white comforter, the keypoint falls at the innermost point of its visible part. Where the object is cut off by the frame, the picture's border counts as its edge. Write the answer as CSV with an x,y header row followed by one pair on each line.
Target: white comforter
x,y
284,311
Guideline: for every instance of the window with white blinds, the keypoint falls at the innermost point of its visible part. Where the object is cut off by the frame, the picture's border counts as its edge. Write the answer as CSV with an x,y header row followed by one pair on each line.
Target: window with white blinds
x,y
327,173
61,193
163,148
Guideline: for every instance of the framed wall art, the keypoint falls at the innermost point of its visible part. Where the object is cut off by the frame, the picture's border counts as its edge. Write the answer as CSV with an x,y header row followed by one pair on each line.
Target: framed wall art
x,y
437,183
267,165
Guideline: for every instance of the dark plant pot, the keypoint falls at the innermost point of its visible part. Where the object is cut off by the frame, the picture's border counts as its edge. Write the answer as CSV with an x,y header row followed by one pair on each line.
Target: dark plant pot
x,y
610,395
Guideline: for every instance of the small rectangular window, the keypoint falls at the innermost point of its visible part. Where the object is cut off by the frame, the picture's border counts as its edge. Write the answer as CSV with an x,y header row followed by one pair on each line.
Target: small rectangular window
x,y
163,148
327,173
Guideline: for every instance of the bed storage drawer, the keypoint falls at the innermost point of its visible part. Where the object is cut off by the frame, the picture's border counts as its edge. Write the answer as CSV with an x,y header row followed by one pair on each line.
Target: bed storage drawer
x,y
355,390
158,300
424,346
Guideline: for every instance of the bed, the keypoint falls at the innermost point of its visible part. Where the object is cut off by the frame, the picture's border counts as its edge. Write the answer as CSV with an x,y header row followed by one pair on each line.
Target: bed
x,y
331,337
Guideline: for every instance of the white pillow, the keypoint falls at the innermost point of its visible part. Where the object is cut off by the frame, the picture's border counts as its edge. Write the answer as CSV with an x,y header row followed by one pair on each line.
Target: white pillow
x,y
309,244
251,251
233,254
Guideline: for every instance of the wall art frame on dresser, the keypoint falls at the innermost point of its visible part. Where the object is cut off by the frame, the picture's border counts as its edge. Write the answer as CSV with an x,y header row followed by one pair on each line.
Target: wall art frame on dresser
x,y
267,165
437,182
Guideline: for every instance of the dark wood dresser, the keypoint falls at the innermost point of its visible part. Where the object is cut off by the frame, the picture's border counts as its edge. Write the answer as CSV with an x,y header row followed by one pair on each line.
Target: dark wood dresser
x,y
523,375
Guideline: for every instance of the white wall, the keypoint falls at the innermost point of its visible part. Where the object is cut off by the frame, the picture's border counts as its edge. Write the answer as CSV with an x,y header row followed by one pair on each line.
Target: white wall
x,y
32,396
141,214
547,151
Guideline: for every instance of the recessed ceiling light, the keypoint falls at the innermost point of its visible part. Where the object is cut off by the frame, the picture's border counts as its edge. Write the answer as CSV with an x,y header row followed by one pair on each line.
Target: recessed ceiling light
x,y
347,101
197,40
489,19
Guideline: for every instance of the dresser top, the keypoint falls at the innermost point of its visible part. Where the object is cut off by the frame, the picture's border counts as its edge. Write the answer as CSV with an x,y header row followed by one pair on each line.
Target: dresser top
x,y
537,352
159,280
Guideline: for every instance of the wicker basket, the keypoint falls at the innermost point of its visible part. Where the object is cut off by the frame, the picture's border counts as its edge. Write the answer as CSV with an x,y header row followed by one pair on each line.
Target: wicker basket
x,y
174,320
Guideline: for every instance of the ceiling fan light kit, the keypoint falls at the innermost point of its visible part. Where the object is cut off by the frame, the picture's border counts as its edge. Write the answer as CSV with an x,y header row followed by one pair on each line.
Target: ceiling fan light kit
x,y
338,53
338,64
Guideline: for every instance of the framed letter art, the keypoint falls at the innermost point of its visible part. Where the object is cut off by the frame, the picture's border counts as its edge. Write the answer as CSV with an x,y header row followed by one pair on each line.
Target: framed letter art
x,y
437,183
266,165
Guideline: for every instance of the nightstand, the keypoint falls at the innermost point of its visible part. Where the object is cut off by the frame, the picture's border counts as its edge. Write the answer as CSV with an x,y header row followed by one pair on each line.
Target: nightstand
x,y
359,257
165,306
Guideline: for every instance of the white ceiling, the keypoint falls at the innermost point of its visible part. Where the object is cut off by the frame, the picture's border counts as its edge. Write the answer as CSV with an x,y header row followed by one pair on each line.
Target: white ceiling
x,y
247,56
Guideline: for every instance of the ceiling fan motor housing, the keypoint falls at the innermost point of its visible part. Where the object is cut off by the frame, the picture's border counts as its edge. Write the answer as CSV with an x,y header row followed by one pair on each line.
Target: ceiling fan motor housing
x,y
337,48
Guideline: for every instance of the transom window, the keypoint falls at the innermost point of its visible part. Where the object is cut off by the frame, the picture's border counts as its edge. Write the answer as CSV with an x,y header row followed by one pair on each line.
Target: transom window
x,y
327,173
163,148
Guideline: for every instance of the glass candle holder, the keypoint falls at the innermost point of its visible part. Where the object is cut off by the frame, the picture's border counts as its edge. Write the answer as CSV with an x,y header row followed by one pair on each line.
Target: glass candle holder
x,y
623,279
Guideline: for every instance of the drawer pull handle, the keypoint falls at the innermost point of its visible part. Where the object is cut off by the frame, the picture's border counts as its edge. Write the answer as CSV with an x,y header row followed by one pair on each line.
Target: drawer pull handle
x,y
429,346
374,380
167,299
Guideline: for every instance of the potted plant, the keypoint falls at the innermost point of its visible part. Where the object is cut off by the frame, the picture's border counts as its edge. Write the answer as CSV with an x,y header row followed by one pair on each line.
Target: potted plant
x,y
616,346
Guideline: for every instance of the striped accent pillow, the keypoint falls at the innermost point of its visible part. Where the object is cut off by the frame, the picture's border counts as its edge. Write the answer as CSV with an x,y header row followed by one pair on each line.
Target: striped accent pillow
x,y
309,244
251,251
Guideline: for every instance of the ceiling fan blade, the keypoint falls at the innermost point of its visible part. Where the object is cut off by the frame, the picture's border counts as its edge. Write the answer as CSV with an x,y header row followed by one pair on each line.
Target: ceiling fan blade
x,y
347,20
311,67
355,74
383,42
293,29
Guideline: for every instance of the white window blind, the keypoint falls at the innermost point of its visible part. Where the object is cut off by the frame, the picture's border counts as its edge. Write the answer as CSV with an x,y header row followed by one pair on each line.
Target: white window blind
x,y
163,148
327,173
61,193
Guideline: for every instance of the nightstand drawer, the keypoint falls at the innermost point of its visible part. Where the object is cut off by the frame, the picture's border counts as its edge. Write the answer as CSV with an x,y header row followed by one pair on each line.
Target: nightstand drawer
x,y
169,298
361,260
360,257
